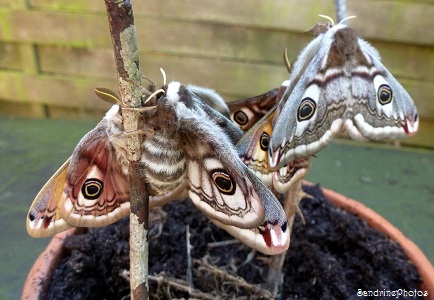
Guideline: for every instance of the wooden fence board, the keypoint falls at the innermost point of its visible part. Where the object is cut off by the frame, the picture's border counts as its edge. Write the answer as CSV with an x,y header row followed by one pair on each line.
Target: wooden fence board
x,y
394,21
293,15
203,40
400,61
54,52
55,90
10,57
24,109
78,30
77,61
68,5
232,80
407,61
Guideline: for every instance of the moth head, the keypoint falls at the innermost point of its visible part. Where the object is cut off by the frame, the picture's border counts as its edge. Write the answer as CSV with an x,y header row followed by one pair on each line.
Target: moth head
x,y
150,94
319,28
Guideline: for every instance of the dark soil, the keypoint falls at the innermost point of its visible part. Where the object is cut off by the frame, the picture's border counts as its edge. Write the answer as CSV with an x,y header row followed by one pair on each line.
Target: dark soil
x,y
332,256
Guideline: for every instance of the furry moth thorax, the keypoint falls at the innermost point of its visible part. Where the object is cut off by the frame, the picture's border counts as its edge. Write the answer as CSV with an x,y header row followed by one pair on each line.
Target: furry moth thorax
x,y
187,150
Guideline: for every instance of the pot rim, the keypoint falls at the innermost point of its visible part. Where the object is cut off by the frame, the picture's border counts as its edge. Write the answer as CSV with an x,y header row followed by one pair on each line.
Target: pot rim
x,y
36,284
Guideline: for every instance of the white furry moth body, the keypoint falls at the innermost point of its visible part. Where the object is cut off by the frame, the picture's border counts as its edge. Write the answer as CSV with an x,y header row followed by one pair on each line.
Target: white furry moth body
x,y
337,83
187,149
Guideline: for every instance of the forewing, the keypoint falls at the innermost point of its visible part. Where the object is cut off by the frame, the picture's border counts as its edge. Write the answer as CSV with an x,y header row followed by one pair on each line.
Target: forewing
x,y
381,107
311,112
44,218
96,191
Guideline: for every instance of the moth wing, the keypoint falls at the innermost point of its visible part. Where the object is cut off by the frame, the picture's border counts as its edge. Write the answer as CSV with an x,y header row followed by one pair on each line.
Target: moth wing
x,y
253,147
219,183
246,112
44,218
381,107
210,98
210,105
246,204
285,178
253,150
96,191
312,109
270,239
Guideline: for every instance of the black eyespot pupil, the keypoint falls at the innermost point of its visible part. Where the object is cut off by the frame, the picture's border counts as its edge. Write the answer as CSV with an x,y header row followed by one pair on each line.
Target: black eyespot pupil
x,y
384,94
306,109
92,189
264,142
224,182
241,118
284,226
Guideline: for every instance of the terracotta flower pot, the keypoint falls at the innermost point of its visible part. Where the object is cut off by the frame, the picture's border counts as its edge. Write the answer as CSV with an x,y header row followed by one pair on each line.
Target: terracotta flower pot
x,y
38,280
424,266
40,274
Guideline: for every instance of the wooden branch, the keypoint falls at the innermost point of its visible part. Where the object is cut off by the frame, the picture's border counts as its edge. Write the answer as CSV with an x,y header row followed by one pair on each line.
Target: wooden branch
x,y
124,39
204,267
180,285
341,10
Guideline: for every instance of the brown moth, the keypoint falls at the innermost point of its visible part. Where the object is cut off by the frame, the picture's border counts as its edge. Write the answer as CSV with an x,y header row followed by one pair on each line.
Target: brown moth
x,y
337,83
187,149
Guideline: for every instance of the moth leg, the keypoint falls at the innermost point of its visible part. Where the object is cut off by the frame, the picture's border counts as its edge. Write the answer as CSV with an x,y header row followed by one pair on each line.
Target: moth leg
x,y
151,87
292,199
157,218
147,109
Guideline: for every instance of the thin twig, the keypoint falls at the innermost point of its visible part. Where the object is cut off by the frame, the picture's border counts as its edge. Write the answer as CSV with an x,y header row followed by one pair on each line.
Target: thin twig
x,y
125,48
223,243
180,285
341,10
228,279
189,263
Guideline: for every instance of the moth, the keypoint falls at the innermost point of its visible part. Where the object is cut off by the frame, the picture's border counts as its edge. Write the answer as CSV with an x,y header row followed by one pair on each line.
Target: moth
x,y
187,149
337,83
253,146
247,112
